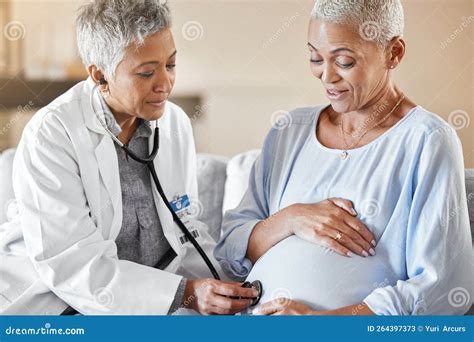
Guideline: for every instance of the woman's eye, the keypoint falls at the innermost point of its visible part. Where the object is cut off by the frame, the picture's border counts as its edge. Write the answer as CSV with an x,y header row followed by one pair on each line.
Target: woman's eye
x,y
345,64
171,66
316,61
145,74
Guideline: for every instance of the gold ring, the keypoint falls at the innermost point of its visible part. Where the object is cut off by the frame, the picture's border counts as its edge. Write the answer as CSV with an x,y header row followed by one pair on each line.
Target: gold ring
x,y
338,236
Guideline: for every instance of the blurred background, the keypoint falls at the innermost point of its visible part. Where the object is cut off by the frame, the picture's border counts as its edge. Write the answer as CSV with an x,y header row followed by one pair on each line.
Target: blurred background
x,y
242,64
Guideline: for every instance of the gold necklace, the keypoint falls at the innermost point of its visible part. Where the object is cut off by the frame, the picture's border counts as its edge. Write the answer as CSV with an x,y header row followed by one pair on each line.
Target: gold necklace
x,y
345,152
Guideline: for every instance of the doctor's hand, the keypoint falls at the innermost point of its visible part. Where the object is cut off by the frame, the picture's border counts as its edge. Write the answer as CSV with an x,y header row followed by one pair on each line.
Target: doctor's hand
x,y
211,297
332,223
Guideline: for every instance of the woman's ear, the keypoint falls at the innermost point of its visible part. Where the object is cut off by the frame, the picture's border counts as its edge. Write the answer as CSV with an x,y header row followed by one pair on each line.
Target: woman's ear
x,y
396,52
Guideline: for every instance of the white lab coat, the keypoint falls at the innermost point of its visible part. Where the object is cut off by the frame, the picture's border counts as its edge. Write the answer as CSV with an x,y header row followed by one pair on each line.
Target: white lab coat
x,y
61,247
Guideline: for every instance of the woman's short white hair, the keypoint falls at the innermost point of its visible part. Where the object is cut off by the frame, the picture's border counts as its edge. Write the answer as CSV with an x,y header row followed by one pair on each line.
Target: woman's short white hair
x,y
105,28
376,20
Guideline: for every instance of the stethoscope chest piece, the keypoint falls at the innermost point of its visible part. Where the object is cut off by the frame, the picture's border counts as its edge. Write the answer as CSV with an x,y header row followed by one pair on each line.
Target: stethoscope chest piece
x,y
256,285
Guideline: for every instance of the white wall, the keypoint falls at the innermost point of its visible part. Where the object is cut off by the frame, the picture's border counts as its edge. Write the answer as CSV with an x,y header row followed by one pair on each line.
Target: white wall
x,y
250,60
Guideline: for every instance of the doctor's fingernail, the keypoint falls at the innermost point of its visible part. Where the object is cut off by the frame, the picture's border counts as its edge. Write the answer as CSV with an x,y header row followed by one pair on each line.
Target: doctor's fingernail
x,y
364,253
350,254
373,243
372,252
353,212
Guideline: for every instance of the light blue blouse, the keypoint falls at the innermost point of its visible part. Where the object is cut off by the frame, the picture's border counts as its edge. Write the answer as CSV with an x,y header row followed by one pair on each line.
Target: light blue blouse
x,y
407,187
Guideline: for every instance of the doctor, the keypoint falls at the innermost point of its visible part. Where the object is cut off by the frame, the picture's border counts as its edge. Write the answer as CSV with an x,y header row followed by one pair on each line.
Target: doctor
x,y
92,232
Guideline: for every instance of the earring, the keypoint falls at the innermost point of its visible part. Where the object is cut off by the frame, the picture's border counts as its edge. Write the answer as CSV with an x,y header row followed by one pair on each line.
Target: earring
x,y
392,67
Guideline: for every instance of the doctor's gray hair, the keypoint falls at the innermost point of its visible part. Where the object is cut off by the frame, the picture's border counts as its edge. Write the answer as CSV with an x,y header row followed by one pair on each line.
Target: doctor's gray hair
x,y
376,20
105,28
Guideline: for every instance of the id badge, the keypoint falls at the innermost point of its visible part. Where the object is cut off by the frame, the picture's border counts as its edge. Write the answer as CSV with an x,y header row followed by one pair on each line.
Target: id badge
x,y
181,205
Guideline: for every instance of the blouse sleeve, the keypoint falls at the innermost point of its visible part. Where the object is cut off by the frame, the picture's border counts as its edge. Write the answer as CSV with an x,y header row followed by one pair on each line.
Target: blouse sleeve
x,y
439,252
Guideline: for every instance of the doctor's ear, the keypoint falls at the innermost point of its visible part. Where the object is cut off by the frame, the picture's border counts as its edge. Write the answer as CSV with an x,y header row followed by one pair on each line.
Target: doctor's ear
x,y
96,75
99,78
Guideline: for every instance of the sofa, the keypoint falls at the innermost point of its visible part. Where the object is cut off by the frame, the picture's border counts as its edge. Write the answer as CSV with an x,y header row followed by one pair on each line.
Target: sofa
x,y
221,181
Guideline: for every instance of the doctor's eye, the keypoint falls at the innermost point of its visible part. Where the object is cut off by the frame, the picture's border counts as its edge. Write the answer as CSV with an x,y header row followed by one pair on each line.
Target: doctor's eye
x,y
146,74
316,61
171,66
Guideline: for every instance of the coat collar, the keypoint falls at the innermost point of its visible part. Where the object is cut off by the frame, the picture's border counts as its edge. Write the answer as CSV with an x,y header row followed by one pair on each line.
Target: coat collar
x,y
105,155
90,118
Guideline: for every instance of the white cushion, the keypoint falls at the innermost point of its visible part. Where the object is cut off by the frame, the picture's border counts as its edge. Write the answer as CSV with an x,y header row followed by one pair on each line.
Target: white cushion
x,y
238,171
7,203
211,174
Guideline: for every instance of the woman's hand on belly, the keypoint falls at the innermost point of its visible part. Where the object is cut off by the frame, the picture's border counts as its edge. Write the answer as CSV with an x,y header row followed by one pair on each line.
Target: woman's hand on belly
x,y
331,223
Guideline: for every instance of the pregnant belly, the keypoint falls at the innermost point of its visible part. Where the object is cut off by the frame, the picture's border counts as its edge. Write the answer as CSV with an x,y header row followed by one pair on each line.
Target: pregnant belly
x,y
324,280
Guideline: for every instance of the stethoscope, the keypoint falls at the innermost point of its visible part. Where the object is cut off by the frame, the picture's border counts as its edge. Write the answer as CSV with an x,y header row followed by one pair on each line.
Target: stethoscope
x,y
149,162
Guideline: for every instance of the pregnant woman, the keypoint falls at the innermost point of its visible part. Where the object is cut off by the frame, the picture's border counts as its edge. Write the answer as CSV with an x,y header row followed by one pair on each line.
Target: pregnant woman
x,y
399,165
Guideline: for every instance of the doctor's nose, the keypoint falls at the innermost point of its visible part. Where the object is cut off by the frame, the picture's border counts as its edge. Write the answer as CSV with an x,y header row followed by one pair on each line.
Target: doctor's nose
x,y
164,82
